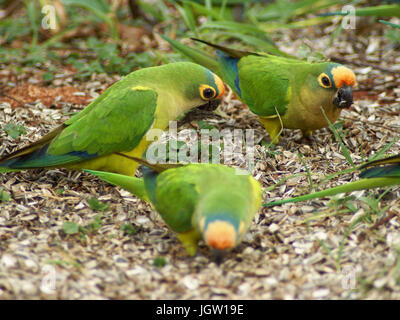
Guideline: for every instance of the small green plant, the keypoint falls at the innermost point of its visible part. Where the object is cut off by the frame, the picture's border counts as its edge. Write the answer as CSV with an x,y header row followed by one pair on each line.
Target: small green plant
x,y
106,58
205,125
48,76
70,227
95,224
14,130
159,262
4,196
97,205
129,229
99,8
13,28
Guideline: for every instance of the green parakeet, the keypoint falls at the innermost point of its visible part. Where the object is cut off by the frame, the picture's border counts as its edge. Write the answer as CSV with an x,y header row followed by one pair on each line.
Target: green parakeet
x,y
118,120
198,201
382,173
270,85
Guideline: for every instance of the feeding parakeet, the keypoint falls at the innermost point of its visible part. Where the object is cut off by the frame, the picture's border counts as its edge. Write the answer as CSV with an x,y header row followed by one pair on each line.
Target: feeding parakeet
x,y
118,120
376,176
270,85
198,201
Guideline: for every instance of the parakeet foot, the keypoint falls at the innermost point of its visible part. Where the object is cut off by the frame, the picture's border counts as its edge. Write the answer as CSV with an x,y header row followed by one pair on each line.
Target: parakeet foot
x,y
189,240
307,133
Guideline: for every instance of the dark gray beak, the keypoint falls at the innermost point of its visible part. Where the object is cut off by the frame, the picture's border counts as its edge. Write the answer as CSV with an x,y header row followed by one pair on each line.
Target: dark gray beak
x,y
201,112
211,105
344,97
218,255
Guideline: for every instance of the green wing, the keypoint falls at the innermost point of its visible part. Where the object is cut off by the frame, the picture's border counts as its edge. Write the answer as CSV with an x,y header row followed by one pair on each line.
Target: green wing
x,y
115,123
264,84
175,198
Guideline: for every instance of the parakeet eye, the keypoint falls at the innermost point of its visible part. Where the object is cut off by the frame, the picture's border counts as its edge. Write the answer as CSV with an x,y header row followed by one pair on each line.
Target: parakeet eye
x,y
324,80
207,92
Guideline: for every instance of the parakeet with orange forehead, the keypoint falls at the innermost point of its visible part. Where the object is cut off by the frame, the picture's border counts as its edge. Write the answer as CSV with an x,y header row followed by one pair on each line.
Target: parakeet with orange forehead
x,y
284,92
118,120
198,201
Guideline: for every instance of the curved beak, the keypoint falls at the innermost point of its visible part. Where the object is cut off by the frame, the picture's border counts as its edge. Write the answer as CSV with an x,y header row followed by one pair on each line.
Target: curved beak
x,y
201,112
344,97
211,105
218,255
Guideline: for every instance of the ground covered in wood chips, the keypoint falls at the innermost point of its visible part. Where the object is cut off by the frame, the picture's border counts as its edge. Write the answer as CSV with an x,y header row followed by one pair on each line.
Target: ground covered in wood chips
x,y
346,247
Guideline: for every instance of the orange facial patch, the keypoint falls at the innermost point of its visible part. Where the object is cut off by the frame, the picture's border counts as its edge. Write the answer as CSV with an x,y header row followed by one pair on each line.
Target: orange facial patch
x,y
220,235
343,76
220,86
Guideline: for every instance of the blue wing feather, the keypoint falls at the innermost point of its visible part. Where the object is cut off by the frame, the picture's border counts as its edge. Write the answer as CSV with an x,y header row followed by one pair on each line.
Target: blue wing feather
x,y
40,158
386,171
230,71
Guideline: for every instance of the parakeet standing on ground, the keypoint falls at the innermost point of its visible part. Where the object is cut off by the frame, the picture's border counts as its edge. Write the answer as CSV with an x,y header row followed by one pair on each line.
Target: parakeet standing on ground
x,y
382,173
271,85
198,201
118,120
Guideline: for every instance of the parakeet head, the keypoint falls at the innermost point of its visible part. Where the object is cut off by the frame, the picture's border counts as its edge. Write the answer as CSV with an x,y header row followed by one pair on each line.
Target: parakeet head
x,y
197,83
334,83
221,231
223,216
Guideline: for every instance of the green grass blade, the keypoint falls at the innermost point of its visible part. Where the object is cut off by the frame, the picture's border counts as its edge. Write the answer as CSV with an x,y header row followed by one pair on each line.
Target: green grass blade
x,y
390,24
188,17
382,151
99,8
307,170
296,24
233,26
389,10
361,184
345,151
